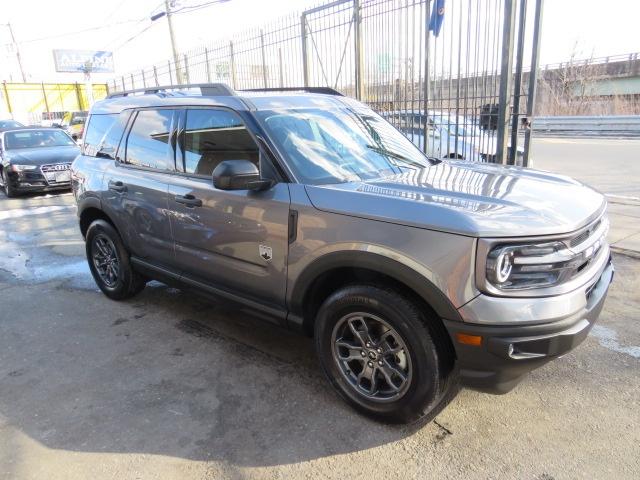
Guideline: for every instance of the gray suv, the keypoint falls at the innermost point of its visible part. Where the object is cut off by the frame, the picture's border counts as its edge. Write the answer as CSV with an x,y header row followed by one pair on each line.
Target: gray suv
x,y
413,275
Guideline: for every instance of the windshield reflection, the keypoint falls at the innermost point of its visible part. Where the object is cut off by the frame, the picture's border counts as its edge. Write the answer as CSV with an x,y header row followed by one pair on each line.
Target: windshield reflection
x,y
340,145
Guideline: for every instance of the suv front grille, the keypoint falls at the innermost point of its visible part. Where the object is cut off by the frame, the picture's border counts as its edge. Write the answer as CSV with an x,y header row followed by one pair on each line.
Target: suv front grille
x,y
586,233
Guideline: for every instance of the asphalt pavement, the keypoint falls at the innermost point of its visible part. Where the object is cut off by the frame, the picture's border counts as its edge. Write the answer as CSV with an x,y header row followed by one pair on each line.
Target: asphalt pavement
x,y
167,385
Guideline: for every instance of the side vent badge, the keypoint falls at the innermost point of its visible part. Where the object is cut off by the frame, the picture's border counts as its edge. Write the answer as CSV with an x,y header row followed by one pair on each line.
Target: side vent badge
x,y
265,252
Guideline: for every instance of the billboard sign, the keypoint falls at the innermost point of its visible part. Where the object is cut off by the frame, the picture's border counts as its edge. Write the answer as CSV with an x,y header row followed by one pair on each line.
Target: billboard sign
x,y
74,61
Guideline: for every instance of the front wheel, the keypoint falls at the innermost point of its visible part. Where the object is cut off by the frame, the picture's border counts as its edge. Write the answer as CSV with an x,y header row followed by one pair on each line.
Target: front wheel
x,y
9,190
384,355
109,262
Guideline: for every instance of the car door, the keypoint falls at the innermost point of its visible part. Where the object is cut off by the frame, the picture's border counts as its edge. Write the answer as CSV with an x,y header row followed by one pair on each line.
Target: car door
x,y
231,240
136,185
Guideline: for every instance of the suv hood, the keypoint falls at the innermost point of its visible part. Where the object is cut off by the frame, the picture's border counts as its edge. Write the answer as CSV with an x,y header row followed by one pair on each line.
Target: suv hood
x,y
481,200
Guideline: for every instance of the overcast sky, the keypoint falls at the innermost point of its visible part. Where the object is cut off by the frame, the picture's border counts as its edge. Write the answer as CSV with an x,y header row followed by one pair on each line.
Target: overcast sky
x,y
586,27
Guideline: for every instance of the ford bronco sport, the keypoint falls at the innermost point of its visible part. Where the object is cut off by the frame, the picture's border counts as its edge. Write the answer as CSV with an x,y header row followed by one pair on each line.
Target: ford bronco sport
x,y
413,275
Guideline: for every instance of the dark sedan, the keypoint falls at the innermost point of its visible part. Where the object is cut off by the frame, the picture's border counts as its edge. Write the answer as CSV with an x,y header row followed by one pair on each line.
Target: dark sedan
x,y
36,160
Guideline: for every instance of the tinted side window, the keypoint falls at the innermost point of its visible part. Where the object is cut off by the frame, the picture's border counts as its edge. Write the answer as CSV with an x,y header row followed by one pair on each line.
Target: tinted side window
x,y
108,146
212,136
98,126
148,141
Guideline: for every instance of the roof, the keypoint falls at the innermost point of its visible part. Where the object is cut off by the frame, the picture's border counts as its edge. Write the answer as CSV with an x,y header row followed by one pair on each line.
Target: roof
x,y
217,95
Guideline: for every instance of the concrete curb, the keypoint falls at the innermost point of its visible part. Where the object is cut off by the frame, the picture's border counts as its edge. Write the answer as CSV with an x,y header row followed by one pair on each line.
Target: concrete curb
x,y
625,251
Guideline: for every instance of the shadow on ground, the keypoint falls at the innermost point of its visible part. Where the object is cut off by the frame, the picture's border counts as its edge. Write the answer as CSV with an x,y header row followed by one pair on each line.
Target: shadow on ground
x,y
169,373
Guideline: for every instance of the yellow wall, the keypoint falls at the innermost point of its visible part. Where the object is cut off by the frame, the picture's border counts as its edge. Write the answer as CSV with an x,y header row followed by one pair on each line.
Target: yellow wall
x,y
32,99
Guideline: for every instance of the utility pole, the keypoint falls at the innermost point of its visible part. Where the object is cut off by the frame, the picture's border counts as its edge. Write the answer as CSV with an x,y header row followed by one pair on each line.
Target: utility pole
x,y
176,58
15,44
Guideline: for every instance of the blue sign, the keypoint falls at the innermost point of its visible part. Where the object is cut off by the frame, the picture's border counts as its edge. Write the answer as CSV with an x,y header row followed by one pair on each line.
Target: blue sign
x,y
74,61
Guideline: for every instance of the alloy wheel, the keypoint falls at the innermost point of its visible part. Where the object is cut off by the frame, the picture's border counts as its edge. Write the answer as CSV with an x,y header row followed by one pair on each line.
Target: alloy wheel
x,y
372,356
105,259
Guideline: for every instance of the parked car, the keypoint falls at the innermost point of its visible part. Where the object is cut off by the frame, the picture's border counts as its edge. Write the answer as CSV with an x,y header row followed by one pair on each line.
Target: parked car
x,y
413,275
73,124
9,124
35,160
449,136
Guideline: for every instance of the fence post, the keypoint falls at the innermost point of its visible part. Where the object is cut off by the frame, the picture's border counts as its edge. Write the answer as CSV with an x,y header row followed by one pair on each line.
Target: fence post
x,y
6,97
206,60
79,96
533,79
264,60
44,96
232,64
123,86
186,67
504,96
517,84
155,75
359,62
133,83
144,80
305,52
280,65
427,79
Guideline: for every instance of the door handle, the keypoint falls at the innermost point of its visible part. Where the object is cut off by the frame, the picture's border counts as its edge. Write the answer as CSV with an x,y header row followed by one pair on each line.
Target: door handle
x,y
188,200
117,186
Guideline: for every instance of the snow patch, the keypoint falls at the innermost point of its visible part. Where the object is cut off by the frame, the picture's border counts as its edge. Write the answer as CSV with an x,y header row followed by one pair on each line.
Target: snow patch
x,y
608,338
23,212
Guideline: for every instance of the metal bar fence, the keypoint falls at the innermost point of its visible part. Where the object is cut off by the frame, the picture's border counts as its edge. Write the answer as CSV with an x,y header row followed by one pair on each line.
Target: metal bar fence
x,y
444,88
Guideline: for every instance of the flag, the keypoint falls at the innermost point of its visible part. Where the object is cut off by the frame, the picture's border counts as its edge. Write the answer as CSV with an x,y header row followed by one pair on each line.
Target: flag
x,y
437,17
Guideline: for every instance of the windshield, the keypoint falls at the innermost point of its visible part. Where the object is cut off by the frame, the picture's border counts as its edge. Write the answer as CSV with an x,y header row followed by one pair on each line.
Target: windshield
x,y
339,145
36,139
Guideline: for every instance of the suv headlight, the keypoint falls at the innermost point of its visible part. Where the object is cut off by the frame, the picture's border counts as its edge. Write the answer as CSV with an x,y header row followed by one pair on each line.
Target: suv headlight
x,y
516,268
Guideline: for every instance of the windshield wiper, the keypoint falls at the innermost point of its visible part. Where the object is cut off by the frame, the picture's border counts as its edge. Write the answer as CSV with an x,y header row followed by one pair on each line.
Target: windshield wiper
x,y
394,155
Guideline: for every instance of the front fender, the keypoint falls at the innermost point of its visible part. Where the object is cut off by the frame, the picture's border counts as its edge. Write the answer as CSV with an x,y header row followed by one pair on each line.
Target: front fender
x,y
380,260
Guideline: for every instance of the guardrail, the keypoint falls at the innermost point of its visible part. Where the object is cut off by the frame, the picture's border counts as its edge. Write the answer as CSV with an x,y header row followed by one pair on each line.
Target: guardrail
x,y
588,126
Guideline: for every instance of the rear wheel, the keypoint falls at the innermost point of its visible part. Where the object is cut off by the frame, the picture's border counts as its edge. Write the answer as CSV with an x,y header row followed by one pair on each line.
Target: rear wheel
x,y
109,262
383,355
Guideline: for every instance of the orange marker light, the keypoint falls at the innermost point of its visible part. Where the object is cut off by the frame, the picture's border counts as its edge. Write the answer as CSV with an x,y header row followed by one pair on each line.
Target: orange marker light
x,y
465,339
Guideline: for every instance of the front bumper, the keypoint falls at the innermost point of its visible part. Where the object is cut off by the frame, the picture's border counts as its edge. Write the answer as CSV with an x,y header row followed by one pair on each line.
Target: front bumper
x,y
34,181
507,353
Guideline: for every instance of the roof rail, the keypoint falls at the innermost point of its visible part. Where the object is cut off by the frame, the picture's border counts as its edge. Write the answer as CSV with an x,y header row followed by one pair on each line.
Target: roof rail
x,y
324,90
206,89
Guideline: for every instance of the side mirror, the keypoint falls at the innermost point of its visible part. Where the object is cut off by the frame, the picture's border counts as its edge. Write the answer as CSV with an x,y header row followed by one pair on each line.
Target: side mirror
x,y
238,175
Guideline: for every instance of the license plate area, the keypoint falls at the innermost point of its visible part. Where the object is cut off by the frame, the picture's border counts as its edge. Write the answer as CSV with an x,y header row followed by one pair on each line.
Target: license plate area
x,y
58,177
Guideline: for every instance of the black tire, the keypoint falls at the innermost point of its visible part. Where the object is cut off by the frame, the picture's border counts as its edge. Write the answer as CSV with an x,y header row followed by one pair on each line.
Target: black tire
x,y
427,362
9,189
126,282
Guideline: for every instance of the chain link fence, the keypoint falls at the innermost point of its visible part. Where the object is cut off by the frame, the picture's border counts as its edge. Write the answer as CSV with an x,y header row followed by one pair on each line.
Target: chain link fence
x,y
445,73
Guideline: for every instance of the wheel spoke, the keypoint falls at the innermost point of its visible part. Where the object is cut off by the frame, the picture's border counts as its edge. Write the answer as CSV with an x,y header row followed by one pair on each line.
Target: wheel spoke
x,y
368,373
361,335
390,372
354,350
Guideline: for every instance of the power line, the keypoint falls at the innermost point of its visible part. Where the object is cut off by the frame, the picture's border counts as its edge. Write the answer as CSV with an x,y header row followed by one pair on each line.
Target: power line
x,y
118,38
193,8
133,37
100,27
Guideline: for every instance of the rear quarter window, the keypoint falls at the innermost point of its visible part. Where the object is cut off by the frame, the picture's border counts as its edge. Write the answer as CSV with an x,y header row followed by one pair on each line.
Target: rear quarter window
x,y
95,131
